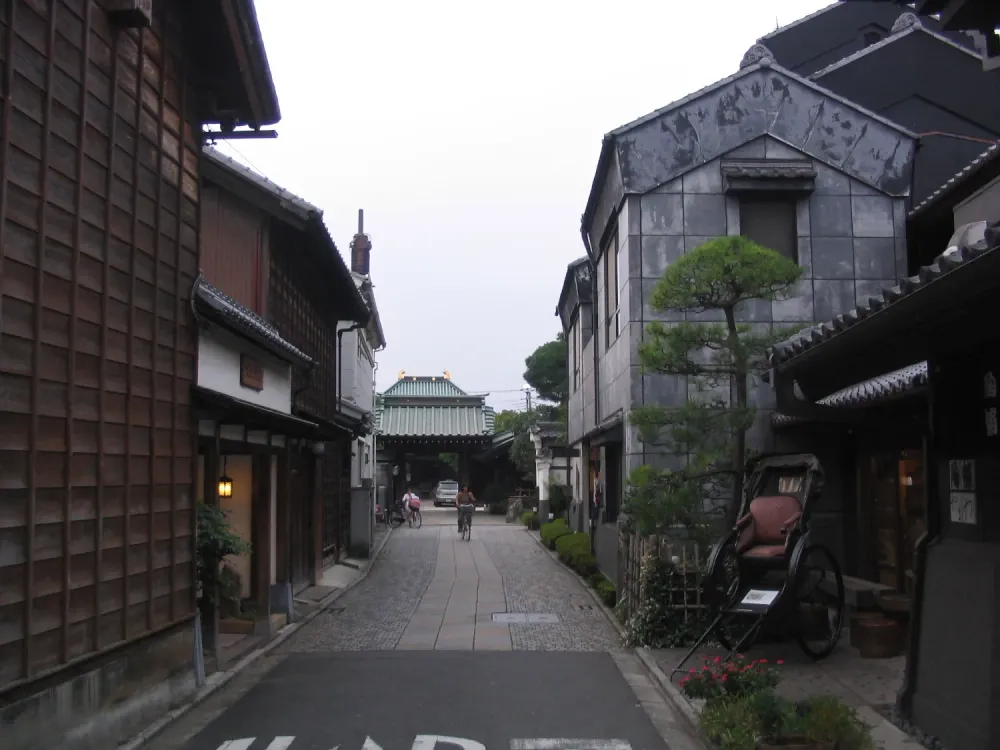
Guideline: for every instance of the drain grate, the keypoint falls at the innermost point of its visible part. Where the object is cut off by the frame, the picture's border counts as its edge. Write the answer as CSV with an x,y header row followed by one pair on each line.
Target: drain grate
x,y
584,606
526,618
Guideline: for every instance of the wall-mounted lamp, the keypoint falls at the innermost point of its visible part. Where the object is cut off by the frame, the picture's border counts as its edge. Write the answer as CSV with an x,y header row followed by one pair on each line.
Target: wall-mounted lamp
x,y
225,482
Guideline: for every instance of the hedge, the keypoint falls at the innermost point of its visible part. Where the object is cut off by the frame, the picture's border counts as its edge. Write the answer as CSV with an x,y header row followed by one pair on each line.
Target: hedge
x,y
574,550
530,519
553,531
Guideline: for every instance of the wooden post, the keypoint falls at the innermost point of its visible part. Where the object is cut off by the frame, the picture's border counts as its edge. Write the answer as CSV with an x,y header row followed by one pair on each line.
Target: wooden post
x,y
284,500
209,611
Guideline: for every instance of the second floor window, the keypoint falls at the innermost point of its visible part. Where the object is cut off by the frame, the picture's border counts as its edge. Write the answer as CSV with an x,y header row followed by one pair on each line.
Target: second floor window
x,y
611,287
574,345
771,222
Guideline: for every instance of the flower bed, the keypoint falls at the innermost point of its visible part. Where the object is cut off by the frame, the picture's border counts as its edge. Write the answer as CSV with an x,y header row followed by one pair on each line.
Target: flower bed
x,y
740,710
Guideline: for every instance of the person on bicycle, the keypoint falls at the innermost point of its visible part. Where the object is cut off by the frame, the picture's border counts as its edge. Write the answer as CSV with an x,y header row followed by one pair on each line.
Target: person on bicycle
x,y
408,504
465,501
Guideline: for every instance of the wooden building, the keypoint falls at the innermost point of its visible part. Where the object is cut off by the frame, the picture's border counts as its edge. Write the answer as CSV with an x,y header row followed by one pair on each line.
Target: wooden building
x,y
103,108
270,253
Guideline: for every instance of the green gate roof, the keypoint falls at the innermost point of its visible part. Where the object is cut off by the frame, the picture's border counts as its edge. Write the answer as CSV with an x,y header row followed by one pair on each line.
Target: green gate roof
x,y
432,407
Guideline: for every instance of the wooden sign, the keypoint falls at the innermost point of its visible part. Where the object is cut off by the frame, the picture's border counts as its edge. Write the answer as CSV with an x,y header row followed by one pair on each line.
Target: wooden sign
x,y
251,373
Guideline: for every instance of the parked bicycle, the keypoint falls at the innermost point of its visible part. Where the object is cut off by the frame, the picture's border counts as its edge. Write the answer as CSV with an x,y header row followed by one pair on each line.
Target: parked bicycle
x,y
397,518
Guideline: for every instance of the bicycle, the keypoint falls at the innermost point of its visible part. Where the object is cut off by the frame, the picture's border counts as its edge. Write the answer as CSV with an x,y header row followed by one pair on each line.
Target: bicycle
x,y
396,517
465,522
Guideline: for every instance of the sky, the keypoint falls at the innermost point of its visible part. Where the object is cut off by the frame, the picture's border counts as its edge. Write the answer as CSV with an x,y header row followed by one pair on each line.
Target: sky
x,y
469,134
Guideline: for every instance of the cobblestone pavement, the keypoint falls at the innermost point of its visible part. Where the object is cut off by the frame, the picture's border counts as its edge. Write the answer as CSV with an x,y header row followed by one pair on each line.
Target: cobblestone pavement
x,y
373,615
534,582
431,590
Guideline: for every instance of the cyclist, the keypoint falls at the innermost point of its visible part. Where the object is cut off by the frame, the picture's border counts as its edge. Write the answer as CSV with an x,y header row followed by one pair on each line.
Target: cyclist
x,y
465,501
410,503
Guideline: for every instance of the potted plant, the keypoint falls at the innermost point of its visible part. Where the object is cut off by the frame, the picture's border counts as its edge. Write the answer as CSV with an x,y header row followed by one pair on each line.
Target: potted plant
x,y
215,541
743,712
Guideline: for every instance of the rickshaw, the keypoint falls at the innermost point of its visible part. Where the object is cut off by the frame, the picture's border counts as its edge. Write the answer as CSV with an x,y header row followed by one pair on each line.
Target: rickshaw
x,y
767,576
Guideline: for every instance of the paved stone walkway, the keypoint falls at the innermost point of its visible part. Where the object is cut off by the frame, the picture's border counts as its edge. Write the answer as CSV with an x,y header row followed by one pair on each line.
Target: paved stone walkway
x,y
431,590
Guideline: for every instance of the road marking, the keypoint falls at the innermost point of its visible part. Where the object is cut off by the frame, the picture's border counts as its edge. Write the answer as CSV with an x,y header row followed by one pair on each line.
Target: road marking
x,y
564,743
243,744
428,741
280,743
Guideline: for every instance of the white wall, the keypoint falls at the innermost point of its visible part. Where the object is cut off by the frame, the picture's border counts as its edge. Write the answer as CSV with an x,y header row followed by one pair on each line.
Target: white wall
x,y
219,370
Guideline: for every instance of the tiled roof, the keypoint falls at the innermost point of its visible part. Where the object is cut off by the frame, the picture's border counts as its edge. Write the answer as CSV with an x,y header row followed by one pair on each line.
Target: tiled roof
x,y
768,168
958,178
408,420
424,385
955,257
870,392
236,317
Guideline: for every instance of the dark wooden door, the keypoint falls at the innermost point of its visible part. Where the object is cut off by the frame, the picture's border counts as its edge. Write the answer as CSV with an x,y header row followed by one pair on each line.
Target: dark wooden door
x,y
300,525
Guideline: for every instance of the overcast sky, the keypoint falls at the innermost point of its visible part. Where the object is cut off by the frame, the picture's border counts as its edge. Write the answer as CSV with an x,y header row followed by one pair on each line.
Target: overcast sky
x,y
469,133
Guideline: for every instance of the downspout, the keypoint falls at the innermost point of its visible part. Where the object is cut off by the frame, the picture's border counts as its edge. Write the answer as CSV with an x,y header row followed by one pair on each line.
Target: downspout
x,y
340,360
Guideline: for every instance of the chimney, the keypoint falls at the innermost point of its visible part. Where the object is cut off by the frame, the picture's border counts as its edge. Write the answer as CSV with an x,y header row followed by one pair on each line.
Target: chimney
x,y
361,248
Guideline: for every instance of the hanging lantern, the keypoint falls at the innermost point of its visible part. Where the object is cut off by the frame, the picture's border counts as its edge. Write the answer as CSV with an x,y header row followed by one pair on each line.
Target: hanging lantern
x,y
225,482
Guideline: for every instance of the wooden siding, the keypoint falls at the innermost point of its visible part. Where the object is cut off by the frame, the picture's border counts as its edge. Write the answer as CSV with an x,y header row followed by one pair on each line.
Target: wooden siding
x,y
233,247
99,213
304,314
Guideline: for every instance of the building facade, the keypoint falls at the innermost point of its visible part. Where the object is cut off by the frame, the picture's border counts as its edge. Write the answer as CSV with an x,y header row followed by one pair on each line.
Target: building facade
x,y
765,154
102,157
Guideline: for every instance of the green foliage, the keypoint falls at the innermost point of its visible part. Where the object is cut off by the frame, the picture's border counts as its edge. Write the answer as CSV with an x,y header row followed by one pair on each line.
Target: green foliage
x,y
506,421
574,550
547,370
230,592
215,541
706,435
495,496
605,590
530,519
550,532
559,499
743,722
659,621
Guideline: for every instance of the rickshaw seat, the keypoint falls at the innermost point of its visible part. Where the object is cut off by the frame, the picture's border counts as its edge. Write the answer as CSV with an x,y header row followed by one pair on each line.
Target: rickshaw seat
x,y
764,530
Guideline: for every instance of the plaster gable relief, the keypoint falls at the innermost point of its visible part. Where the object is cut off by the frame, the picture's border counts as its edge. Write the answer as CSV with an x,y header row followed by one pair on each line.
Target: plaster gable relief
x,y
764,101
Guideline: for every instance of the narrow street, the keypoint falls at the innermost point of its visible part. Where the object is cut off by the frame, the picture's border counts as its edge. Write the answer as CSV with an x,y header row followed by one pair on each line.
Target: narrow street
x,y
490,642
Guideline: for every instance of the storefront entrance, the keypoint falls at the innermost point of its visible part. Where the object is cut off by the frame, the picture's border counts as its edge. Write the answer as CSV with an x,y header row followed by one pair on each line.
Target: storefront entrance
x,y
892,512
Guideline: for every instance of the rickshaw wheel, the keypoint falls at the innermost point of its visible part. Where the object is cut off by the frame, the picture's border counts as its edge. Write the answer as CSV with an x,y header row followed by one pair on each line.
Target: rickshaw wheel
x,y
818,601
722,586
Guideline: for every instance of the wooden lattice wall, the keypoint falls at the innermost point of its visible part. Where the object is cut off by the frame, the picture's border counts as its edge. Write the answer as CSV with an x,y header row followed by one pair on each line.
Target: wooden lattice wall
x,y
99,210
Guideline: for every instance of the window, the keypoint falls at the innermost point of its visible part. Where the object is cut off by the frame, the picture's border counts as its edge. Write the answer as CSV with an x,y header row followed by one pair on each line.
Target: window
x,y
770,222
612,481
611,287
574,346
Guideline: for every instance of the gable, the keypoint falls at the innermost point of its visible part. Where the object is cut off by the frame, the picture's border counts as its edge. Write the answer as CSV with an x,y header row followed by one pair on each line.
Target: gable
x,y
765,100
424,386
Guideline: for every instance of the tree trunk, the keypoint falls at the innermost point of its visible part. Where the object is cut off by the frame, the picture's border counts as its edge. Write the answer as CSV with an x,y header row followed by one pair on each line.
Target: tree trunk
x,y
738,393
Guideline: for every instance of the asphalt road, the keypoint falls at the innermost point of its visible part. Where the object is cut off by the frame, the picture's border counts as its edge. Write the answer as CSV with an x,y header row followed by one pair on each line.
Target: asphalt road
x,y
401,700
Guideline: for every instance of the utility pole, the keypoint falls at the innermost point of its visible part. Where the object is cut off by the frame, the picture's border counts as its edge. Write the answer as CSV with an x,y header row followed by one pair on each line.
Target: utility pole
x,y
527,398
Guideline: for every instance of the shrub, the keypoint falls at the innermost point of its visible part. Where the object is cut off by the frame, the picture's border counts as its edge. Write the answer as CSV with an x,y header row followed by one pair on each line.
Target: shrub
x,y
530,519
495,498
606,590
717,680
559,499
574,550
659,621
552,531
741,723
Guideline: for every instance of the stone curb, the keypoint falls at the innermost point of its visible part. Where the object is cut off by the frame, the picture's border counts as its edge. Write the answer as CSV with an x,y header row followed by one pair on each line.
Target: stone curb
x,y
607,611
219,679
682,704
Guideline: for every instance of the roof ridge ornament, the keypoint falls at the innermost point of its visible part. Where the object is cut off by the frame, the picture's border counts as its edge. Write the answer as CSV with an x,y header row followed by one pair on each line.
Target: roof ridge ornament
x,y
905,21
758,54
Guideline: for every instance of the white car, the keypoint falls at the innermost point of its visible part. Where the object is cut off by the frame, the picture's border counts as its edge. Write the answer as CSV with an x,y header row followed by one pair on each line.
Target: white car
x,y
445,492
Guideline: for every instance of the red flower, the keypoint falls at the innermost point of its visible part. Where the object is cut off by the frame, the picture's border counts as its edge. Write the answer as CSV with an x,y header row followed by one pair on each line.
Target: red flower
x,y
717,659
781,661
691,671
763,661
725,677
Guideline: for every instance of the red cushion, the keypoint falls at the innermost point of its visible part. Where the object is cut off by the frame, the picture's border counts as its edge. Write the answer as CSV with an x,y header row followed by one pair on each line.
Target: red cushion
x,y
769,515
